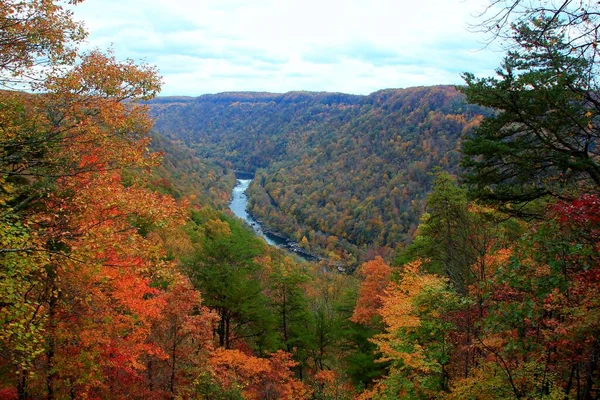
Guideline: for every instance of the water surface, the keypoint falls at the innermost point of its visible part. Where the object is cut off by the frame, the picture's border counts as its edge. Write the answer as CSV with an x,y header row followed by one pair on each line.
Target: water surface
x,y
238,205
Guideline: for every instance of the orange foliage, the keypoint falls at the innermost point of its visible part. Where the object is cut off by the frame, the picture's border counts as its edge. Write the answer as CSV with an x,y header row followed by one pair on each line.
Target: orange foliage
x,y
259,378
105,304
376,275
96,295
184,334
330,385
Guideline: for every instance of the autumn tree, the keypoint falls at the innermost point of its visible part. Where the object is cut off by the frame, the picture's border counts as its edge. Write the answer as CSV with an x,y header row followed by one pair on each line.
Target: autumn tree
x,y
258,378
35,33
376,275
365,322
79,288
550,288
416,338
539,146
330,385
184,334
31,32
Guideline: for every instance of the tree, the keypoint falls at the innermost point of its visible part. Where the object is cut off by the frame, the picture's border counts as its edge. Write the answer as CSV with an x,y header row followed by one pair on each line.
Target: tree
x,y
541,322
35,33
184,332
286,291
577,19
416,339
225,270
540,146
258,378
455,236
365,322
376,274
445,232
79,266
543,140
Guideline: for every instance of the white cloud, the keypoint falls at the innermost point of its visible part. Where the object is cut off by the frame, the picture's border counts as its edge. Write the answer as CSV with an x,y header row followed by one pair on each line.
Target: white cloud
x,y
354,46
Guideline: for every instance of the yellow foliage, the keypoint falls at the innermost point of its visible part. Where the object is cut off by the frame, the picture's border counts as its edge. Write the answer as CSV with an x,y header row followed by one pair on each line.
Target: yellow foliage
x,y
216,228
401,315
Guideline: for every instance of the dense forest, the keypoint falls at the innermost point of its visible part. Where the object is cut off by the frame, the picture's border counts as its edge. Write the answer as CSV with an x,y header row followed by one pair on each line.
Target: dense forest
x,y
121,276
183,173
344,175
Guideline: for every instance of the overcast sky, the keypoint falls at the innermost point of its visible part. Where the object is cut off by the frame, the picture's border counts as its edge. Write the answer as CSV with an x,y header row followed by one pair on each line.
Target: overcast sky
x,y
351,46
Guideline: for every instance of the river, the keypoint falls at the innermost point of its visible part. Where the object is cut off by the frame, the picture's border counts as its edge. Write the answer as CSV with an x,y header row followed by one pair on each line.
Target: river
x,y
238,205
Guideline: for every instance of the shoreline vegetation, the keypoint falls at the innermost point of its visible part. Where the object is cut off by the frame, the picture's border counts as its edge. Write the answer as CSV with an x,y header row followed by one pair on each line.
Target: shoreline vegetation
x,y
279,240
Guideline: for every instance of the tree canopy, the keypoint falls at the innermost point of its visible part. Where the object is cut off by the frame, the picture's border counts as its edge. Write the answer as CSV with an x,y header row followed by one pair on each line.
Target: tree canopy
x,y
543,139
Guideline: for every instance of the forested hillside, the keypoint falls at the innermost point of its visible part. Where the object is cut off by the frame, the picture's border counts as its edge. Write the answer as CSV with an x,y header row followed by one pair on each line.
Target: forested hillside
x,y
248,130
183,173
118,279
341,174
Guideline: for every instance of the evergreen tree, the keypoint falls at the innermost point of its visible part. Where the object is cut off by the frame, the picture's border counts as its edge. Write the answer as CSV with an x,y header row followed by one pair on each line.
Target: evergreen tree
x,y
291,306
543,139
225,271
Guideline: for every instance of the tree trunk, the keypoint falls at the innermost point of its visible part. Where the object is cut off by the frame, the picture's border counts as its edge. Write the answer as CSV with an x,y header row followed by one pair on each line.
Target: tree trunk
x,y
51,341
285,328
173,361
22,385
227,331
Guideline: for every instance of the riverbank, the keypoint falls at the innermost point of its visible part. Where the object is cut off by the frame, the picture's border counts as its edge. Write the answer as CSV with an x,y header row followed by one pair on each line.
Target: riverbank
x,y
238,204
291,246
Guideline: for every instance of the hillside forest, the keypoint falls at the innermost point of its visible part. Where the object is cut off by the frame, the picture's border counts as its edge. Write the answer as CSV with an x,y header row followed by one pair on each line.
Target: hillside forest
x,y
467,220
349,174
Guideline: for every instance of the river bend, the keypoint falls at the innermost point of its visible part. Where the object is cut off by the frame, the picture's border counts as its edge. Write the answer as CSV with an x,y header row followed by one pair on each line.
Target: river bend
x,y
239,203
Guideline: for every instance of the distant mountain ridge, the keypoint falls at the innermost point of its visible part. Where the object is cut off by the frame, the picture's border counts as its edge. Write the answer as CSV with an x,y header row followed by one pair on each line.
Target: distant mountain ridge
x,y
256,97
233,126
348,172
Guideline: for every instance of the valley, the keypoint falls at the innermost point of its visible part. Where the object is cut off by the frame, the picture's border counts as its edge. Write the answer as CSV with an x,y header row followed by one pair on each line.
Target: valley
x,y
428,242
347,175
